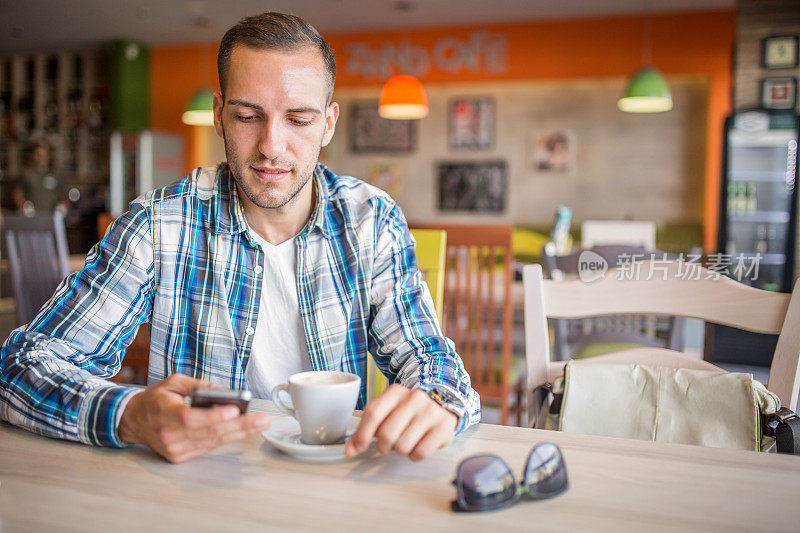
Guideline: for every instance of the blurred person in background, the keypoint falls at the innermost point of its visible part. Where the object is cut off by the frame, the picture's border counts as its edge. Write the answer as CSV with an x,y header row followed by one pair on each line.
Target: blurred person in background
x,y
38,190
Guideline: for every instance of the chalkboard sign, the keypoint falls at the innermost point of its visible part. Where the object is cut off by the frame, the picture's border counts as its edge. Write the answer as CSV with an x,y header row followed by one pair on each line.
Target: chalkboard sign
x,y
370,133
472,186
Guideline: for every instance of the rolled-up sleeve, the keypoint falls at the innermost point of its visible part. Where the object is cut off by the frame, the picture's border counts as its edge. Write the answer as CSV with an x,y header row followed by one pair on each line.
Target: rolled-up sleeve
x,y
405,337
53,370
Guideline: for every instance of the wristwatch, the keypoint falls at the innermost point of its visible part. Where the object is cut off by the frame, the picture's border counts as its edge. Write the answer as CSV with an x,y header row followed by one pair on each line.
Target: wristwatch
x,y
447,400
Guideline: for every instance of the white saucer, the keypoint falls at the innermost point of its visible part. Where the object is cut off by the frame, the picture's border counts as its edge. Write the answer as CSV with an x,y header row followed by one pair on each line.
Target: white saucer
x,y
284,434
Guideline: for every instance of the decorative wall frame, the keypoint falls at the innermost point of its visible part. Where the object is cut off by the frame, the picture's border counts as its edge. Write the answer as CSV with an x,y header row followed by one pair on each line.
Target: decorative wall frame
x,y
779,52
370,133
552,151
779,93
471,123
478,186
386,175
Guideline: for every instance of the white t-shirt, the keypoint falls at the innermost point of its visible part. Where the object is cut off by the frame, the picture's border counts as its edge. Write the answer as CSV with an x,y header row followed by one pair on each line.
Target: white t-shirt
x,y
279,342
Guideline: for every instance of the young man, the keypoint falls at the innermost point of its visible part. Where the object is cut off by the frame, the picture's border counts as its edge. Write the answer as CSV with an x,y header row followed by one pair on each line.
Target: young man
x,y
249,271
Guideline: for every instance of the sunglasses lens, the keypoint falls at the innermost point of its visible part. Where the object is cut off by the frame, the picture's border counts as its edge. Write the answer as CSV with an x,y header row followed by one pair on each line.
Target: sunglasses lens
x,y
546,473
485,481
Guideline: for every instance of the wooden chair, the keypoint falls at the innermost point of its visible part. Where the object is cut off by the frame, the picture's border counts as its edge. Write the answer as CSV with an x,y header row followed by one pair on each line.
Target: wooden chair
x,y
478,308
722,301
430,259
38,259
571,337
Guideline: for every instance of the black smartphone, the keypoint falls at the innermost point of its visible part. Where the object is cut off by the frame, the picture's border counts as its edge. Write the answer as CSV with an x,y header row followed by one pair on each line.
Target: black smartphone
x,y
202,397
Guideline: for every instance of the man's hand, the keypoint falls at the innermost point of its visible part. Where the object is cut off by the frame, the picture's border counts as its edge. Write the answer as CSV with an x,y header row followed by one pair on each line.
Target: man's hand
x,y
406,422
160,418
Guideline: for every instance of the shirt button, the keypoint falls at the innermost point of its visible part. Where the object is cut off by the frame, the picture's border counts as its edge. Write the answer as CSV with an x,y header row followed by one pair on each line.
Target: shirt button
x,y
249,331
258,269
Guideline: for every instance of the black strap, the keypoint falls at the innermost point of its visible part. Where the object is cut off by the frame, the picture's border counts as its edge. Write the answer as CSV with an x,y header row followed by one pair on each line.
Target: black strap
x,y
540,396
785,427
787,436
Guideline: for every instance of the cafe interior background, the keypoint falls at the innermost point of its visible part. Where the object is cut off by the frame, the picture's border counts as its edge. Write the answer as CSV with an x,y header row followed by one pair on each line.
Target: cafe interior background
x,y
525,91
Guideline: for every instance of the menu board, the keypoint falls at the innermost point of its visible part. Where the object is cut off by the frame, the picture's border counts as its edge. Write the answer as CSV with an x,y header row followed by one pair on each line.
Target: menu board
x,y
371,133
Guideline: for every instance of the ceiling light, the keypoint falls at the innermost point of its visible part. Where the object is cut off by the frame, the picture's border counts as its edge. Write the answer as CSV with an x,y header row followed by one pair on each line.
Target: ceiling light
x,y
403,98
200,111
647,92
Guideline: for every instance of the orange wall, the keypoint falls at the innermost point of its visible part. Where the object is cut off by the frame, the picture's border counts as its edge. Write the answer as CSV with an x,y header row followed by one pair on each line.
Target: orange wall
x,y
695,43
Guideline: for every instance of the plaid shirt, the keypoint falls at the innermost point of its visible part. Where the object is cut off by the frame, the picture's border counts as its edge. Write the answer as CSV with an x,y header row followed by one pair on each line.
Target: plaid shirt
x,y
183,260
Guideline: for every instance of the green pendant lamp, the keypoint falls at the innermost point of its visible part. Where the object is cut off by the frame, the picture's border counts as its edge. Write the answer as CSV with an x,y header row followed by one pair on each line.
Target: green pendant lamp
x,y
647,92
200,110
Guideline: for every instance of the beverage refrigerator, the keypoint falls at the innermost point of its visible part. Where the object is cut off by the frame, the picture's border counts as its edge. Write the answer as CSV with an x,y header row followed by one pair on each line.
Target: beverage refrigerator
x,y
758,217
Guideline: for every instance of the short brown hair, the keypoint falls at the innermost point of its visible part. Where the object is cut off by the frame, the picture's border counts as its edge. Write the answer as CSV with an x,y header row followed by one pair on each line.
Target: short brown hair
x,y
274,31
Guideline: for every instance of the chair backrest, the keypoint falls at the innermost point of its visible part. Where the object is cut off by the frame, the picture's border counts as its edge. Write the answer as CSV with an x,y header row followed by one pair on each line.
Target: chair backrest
x,y
478,308
618,232
38,259
430,260
674,290
570,337
431,249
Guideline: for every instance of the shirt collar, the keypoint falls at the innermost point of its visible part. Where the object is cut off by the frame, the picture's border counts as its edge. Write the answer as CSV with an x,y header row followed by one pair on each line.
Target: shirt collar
x,y
228,211
319,216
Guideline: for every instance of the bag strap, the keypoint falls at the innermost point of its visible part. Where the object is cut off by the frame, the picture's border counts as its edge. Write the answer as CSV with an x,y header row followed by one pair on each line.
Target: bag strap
x,y
540,396
785,427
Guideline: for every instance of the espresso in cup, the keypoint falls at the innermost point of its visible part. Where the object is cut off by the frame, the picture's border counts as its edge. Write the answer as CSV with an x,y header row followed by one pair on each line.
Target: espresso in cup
x,y
323,403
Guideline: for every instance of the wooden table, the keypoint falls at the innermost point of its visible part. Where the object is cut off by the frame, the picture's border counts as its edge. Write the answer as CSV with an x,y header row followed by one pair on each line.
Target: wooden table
x,y
620,485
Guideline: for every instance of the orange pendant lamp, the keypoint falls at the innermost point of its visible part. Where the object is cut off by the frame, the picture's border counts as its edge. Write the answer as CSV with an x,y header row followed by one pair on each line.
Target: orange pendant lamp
x,y
403,98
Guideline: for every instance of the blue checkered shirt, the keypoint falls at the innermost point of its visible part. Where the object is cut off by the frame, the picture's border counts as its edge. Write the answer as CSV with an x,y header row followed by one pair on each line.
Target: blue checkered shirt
x,y
183,260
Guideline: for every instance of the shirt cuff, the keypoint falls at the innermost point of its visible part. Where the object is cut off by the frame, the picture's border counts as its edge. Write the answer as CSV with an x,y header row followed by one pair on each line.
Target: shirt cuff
x,y
100,412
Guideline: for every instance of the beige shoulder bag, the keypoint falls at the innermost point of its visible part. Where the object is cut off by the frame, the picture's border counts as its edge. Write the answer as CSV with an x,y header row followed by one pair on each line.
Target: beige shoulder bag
x,y
702,407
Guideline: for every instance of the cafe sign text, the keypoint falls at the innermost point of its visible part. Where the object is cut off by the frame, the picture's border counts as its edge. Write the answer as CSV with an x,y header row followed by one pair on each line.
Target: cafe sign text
x,y
481,51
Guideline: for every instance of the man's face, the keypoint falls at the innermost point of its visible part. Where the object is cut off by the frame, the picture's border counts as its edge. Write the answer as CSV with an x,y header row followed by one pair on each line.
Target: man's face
x,y
274,121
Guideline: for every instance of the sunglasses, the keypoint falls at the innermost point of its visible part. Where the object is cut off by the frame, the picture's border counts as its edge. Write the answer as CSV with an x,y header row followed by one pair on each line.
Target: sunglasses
x,y
486,482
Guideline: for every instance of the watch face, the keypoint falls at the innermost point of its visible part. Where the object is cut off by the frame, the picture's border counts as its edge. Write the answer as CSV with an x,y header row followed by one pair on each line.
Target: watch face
x,y
446,396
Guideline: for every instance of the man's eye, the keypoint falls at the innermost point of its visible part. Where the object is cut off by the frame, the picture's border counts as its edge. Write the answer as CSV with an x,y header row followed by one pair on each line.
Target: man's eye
x,y
245,118
298,122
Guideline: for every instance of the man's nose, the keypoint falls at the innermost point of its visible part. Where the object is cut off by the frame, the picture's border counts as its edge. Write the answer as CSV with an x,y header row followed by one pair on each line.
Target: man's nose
x,y
272,142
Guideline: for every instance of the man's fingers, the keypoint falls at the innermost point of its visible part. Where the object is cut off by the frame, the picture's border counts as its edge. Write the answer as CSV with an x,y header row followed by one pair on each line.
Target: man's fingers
x,y
409,439
193,442
397,422
249,423
201,417
438,437
373,416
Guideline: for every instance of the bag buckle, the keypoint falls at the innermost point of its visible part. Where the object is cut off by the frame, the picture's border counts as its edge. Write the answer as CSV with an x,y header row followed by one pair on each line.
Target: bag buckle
x,y
772,421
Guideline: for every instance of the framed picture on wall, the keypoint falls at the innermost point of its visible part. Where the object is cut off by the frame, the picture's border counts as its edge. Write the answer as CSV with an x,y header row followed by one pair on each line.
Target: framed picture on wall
x,y
370,133
551,151
386,175
779,93
779,51
479,186
471,123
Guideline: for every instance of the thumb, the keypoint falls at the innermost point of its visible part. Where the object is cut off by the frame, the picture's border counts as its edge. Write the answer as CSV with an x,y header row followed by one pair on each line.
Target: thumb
x,y
184,385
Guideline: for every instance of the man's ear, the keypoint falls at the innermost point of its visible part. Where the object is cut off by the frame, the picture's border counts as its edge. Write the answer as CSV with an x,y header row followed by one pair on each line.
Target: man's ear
x,y
331,116
218,101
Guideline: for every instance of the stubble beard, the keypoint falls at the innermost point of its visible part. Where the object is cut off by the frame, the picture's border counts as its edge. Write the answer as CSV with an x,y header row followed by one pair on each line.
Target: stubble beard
x,y
265,197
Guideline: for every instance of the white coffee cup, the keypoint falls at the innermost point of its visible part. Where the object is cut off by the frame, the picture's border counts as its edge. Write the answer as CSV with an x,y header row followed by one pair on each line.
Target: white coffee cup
x,y
323,403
